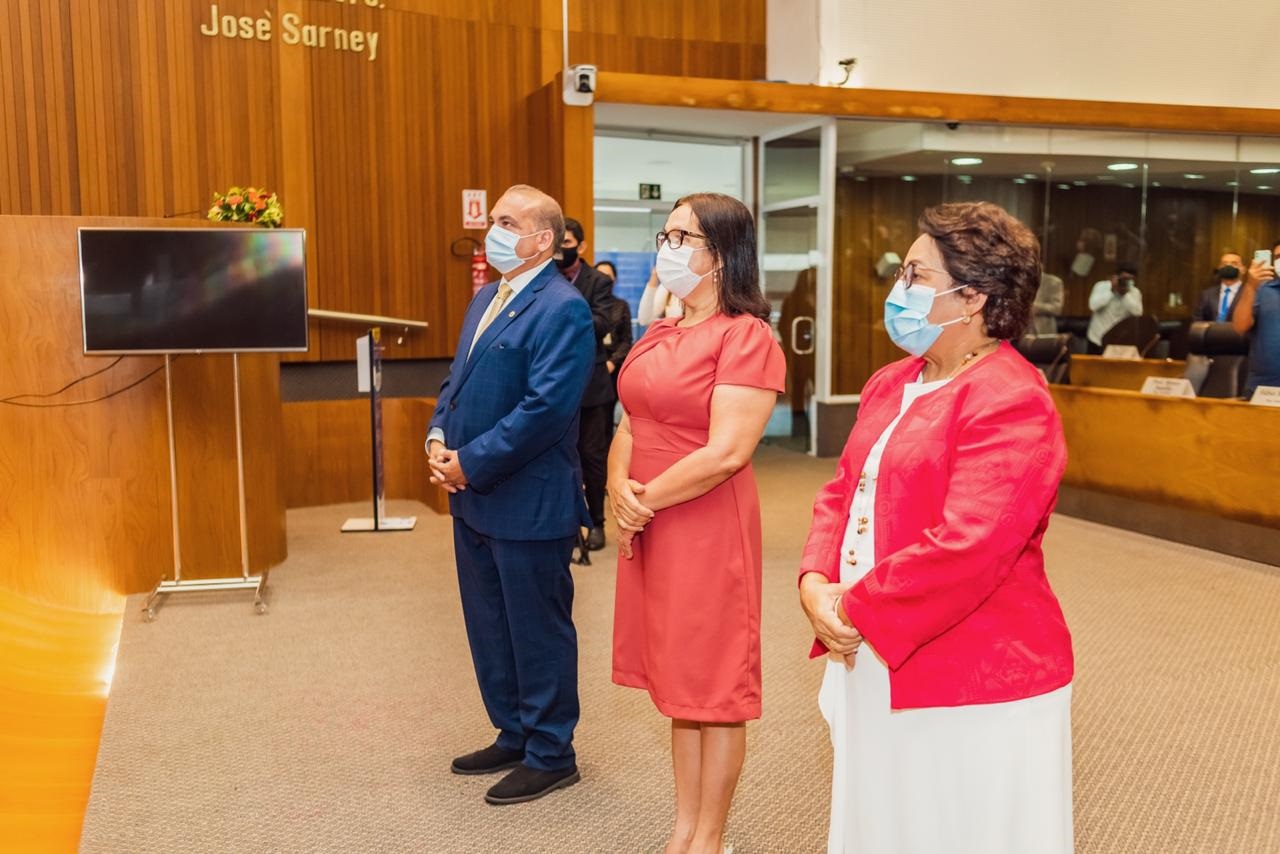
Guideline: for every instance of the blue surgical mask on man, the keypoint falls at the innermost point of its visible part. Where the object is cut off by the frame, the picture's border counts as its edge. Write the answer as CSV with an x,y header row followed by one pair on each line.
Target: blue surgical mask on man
x,y
500,248
906,316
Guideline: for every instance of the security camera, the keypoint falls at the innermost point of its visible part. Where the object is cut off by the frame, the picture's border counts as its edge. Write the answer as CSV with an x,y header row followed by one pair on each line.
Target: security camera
x,y
847,65
953,126
580,85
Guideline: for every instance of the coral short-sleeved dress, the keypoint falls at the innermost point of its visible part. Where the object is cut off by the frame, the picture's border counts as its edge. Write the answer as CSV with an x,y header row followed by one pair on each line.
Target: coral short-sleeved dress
x,y
687,614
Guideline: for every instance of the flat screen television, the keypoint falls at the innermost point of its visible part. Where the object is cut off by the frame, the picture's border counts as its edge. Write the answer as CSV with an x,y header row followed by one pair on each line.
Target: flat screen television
x,y
193,290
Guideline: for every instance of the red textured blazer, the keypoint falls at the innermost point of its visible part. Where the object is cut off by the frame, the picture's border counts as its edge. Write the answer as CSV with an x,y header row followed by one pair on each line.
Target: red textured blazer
x,y
957,603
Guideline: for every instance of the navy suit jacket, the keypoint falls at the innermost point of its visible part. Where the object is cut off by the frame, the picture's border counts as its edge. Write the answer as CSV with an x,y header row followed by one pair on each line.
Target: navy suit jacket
x,y
1211,301
511,412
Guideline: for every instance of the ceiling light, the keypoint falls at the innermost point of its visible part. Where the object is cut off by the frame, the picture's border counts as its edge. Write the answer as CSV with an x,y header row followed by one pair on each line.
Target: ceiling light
x,y
1233,183
1265,170
1080,183
1264,186
1122,167
908,178
1155,183
966,161
1030,176
1019,180
1129,186
1064,186
860,178
620,209
1106,177
1191,176
965,179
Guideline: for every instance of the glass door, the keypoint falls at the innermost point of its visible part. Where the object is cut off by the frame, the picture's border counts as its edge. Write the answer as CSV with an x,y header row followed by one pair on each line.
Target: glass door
x,y
796,182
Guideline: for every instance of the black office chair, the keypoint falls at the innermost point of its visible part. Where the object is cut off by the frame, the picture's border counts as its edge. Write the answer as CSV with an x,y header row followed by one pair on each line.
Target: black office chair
x,y
1175,334
1078,326
1141,332
1050,353
1227,354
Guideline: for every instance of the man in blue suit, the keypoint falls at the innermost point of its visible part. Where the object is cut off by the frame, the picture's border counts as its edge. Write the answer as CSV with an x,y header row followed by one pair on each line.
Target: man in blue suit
x,y
504,443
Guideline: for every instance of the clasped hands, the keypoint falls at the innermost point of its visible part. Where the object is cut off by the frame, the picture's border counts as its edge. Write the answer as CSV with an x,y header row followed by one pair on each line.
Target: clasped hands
x,y
831,624
446,469
631,515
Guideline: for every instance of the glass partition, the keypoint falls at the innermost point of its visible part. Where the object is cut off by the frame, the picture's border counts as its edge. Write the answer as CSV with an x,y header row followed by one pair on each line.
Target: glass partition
x,y
1168,204
637,179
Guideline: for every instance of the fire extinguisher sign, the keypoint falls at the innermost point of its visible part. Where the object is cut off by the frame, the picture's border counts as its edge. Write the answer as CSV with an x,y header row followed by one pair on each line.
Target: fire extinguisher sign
x,y
475,209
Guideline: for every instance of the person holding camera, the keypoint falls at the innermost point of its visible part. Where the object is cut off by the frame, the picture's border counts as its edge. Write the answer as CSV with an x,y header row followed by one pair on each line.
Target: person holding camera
x,y
1112,301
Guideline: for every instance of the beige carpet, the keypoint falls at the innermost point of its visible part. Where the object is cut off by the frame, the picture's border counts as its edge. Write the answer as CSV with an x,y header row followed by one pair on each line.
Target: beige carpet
x,y
328,724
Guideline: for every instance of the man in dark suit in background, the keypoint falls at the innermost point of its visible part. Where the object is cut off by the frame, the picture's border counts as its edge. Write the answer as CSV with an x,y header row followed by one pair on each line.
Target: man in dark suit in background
x,y
1218,303
597,403
503,444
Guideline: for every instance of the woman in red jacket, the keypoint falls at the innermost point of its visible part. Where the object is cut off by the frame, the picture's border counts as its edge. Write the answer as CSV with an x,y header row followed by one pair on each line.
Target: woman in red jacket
x,y
948,684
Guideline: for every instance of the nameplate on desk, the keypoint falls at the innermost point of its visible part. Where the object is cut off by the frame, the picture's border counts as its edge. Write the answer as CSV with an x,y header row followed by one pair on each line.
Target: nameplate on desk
x,y
1266,395
1121,351
1168,386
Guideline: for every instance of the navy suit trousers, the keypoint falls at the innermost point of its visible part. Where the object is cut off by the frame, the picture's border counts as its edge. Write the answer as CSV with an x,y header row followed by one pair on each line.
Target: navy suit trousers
x,y
517,601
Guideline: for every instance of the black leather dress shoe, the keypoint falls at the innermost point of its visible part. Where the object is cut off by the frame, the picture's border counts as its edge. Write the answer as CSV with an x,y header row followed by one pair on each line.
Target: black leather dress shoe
x,y
595,539
529,784
492,758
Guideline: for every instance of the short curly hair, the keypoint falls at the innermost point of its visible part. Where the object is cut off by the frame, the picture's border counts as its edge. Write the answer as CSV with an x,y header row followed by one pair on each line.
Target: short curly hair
x,y
987,249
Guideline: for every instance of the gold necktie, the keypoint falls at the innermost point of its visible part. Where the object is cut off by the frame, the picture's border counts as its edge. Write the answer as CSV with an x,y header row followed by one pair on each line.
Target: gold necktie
x,y
504,293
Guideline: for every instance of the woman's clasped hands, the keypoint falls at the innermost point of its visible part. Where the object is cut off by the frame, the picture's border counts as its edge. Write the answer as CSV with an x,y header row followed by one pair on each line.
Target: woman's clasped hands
x,y
631,515
820,599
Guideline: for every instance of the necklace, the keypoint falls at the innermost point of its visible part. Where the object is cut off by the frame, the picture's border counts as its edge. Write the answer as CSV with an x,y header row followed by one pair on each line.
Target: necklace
x,y
970,356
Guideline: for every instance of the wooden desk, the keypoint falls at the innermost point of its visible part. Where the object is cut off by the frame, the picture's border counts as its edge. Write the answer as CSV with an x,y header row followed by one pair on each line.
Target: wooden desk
x,y
1217,457
1097,372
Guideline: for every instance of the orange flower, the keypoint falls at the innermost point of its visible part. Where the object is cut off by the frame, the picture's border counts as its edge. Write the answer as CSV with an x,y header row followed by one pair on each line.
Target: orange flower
x,y
234,200
261,203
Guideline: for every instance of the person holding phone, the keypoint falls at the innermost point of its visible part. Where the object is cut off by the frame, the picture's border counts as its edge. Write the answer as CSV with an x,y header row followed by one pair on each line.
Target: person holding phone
x,y
1258,316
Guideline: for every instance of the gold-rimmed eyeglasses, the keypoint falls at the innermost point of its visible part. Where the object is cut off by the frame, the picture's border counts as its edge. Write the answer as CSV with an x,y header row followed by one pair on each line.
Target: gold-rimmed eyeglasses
x,y
908,272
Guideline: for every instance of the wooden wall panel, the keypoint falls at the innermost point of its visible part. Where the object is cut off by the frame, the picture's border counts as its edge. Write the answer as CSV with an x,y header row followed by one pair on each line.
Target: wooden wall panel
x,y
326,455
125,108
84,490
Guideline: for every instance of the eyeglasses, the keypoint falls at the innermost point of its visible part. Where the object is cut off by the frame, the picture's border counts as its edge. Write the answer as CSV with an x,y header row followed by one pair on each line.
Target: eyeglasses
x,y
676,237
907,273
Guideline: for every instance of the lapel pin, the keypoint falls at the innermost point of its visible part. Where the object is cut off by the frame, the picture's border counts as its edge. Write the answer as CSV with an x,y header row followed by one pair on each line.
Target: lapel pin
x,y
511,314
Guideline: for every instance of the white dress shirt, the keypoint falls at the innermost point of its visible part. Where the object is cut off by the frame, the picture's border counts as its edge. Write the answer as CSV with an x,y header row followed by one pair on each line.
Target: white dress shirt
x,y
518,284
1110,308
1229,291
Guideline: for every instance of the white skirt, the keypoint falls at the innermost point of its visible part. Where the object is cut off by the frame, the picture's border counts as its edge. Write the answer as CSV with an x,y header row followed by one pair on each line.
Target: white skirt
x,y
994,779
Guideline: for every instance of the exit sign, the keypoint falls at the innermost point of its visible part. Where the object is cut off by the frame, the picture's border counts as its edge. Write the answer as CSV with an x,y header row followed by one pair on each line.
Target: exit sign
x,y
650,191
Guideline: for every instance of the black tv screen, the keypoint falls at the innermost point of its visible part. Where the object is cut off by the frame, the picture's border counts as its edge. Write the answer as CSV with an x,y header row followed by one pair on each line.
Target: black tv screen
x,y
185,290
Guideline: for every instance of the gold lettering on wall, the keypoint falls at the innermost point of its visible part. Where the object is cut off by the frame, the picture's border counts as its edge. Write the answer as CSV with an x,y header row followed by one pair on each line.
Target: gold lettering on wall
x,y
295,31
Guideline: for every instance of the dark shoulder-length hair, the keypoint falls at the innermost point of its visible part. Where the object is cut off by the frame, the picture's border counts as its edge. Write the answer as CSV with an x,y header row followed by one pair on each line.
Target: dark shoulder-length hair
x,y
731,232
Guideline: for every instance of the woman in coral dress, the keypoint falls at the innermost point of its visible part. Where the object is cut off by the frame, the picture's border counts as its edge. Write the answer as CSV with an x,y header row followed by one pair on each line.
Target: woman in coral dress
x,y
697,392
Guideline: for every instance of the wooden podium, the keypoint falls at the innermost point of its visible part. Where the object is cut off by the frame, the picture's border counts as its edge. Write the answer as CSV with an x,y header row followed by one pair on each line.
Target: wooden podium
x,y
86,514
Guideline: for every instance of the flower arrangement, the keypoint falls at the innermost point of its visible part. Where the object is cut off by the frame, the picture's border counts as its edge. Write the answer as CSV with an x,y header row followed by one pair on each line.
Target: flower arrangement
x,y
247,204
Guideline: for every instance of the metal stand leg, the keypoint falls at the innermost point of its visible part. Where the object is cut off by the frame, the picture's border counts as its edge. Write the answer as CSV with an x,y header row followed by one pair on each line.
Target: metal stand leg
x,y
256,583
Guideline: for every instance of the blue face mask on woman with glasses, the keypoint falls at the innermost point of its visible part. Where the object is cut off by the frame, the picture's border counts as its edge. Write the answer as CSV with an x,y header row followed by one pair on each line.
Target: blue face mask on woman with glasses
x,y
906,313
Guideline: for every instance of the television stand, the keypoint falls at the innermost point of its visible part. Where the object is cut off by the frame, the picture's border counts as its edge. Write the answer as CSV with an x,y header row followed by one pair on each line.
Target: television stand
x,y
256,583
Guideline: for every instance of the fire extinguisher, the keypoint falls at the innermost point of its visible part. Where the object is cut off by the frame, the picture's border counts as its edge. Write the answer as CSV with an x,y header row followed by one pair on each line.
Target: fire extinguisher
x,y
479,269
479,264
